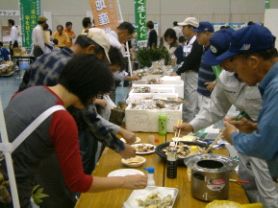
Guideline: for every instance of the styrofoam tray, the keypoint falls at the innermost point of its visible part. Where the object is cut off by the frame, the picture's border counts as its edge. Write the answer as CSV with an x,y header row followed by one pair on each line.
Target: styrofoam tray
x,y
143,193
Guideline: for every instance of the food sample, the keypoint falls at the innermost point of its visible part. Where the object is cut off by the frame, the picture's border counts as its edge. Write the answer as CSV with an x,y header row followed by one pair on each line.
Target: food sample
x,y
142,89
144,148
184,150
155,201
134,162
149,104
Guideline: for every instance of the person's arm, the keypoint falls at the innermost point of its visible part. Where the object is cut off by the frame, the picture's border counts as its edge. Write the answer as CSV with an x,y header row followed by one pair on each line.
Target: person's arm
x,y
192,60
63,133
40,39
217,108
13,34
263,142
127,182
64,136
107,124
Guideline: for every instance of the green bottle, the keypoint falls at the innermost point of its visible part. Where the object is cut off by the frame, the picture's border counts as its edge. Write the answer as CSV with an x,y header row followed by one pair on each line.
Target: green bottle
x,y
162,124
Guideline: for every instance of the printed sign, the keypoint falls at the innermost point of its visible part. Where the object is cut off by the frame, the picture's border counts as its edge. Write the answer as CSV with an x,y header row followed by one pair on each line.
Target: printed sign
x,y
30,10
140,21
105,13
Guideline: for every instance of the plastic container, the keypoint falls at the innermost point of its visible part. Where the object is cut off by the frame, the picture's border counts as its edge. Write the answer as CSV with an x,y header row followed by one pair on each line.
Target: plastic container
x,y
172,161
151,181
162,124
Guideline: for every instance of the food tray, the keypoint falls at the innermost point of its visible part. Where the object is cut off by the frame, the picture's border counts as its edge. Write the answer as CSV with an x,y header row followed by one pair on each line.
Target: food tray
x,y
143,193
162,155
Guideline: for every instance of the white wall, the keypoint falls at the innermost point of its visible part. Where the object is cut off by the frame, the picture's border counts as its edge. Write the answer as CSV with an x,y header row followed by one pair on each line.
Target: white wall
x,y
270,15
162,11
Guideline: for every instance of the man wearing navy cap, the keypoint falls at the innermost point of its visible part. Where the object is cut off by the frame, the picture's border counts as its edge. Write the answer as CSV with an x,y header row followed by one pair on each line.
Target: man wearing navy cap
x,y
254,58
206,76
229,90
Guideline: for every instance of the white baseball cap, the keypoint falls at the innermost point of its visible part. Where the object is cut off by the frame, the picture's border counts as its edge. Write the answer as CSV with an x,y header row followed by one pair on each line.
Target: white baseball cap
x,y
99,36
190,21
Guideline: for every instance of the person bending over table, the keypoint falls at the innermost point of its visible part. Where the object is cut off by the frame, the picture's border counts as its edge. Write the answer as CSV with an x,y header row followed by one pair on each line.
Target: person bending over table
x,y
82,79
229,91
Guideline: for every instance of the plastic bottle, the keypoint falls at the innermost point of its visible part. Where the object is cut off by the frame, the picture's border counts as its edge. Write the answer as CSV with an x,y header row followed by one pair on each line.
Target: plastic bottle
x,y
162,124
172,161
151,181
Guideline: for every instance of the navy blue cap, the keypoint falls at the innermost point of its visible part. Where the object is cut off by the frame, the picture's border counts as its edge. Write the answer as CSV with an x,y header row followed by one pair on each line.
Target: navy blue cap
x,y
205,27
219,43
253,38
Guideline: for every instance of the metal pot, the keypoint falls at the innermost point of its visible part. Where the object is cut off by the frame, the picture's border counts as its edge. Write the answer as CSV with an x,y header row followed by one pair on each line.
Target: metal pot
x,y
210,176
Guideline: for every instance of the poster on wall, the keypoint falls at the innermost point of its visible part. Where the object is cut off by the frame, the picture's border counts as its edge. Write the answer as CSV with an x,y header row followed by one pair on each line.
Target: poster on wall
x,y
30,10
105,13
140,21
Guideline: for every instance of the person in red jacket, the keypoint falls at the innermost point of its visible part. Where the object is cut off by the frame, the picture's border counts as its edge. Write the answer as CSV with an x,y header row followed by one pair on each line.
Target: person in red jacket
x,y
83,78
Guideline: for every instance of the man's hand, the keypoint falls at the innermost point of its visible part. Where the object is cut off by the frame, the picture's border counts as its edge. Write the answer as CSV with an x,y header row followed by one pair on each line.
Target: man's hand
x,y
210,85
100,102
228,131
243,125
173,74
129,136
128,152
186,128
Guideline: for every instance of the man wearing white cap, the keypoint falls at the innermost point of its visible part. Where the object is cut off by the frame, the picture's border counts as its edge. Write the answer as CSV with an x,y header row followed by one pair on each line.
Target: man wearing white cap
x,y
189,67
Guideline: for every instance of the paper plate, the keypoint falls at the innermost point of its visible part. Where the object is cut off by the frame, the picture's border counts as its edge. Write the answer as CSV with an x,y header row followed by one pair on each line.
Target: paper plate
x,y
150,148
125,172
134,162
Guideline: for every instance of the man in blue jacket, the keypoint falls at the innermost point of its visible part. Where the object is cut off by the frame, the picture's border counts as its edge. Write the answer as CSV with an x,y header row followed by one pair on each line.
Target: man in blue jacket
x,y
255,60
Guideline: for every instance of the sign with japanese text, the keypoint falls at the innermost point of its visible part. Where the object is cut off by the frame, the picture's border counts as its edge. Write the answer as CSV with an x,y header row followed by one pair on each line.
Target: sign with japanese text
x,y
105,13
9,13
140,21
30,10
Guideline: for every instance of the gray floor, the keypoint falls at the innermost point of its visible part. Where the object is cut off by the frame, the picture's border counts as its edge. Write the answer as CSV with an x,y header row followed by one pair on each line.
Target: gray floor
x,y
8,86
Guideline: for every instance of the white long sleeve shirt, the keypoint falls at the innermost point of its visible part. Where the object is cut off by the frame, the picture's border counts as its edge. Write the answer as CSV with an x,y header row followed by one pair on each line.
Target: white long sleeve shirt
x,y
227,92
38,37
13,34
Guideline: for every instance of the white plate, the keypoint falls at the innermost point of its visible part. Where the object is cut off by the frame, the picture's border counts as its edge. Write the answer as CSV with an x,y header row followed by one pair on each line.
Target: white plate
x,y
125,172
138,140
139,160
144,153
143,193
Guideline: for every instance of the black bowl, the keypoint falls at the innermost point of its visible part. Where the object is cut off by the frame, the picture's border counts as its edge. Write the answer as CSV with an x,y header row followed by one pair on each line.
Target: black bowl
x,y
162,155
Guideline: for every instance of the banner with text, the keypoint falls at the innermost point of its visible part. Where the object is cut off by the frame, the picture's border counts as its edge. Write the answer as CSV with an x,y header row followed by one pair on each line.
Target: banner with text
x,y
105,13
30,10
140,21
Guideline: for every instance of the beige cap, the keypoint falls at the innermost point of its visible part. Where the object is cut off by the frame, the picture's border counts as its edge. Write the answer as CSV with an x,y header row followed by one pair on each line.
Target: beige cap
x,y
190,21
99,36
42,19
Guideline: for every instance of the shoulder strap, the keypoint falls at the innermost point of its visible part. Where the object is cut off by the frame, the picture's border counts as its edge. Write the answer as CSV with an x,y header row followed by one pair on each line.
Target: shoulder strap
x,y
35,124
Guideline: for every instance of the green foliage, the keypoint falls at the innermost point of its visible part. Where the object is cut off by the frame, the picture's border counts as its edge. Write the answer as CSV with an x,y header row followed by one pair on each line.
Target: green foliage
x,y
146,56
38,195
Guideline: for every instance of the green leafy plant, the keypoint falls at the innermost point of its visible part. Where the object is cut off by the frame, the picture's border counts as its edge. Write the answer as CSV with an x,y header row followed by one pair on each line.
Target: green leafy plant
x,y
146,56
38,195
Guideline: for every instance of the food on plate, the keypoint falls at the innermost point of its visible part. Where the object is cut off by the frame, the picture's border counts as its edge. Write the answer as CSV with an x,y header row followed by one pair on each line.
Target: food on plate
x,y
184,150
144,148
142,89
150,104
155,201
134,161
187,138
154,81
